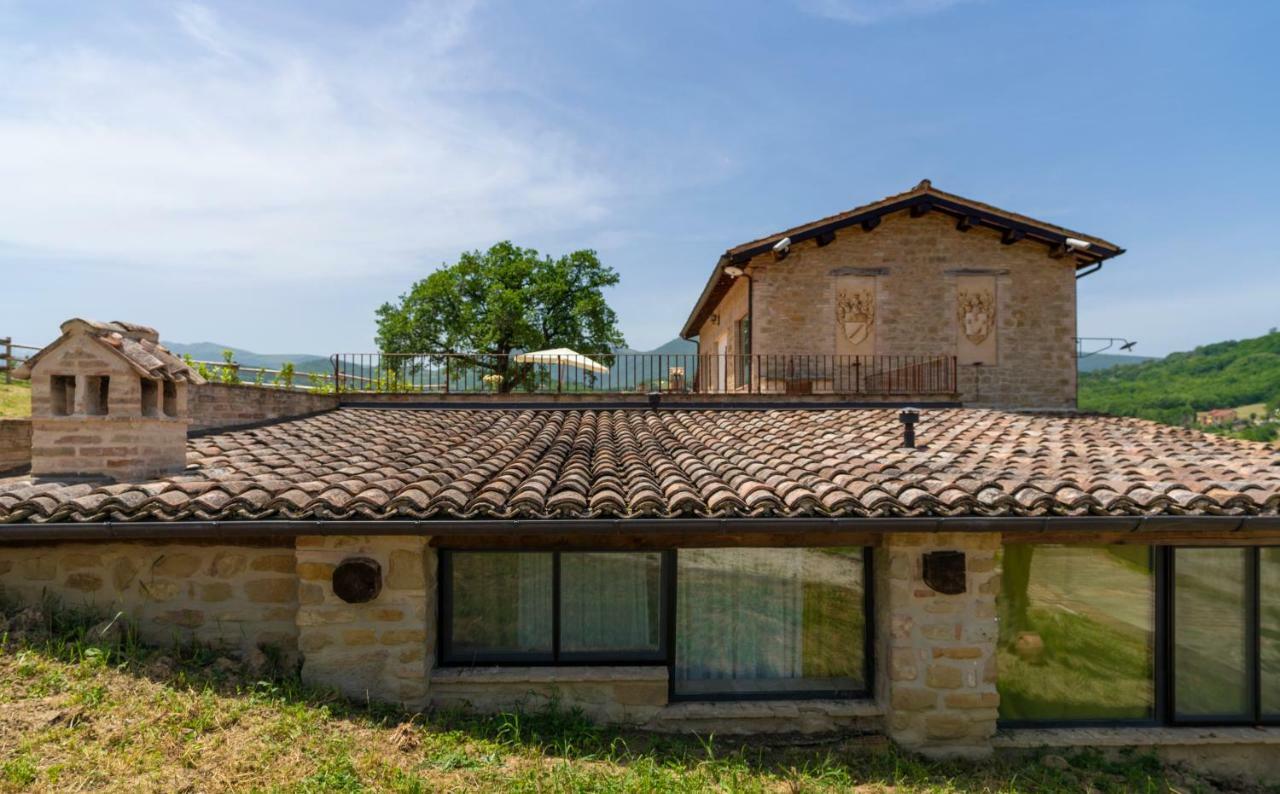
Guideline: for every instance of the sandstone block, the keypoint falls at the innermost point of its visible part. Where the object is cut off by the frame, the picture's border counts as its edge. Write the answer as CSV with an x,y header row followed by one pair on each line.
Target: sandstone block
x,y
271,591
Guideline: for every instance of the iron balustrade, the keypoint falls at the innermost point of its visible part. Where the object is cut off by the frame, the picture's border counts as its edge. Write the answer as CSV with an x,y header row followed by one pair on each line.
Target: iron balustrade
x,y
631,373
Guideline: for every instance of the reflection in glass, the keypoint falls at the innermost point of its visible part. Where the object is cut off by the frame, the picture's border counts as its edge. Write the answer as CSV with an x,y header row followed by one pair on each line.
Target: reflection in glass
x,y
762,621
1270,630
501,604
610,602
1210,638
1077,627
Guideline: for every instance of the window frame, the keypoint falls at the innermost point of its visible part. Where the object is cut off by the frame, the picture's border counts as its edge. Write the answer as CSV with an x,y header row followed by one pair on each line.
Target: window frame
x,y
556,658
665,657
868,655
1253,645
1164,684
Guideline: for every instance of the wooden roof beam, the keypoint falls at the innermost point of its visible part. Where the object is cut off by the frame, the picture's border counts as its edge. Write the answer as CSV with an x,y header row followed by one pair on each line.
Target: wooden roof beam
x,y
1011,236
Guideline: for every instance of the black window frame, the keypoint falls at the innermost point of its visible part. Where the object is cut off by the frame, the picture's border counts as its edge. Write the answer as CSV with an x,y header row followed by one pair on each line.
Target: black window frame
x,y
557,658
1164,712
665,657
1253,645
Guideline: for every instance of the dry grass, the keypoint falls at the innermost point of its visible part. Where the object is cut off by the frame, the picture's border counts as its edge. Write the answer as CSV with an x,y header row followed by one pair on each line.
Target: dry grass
x,y
77,716
15,400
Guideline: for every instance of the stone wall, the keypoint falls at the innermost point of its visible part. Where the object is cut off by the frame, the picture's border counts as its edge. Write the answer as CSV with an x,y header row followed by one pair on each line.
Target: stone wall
x,y
916,265
937,653
223,405
241,596
15,443
382,649
638,696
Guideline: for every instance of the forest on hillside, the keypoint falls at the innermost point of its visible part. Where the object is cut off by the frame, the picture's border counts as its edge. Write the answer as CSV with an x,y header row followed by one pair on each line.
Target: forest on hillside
x,y
1172,389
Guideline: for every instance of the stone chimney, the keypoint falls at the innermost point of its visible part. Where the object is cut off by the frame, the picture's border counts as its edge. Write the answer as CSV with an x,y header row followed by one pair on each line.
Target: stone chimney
x,y
108,401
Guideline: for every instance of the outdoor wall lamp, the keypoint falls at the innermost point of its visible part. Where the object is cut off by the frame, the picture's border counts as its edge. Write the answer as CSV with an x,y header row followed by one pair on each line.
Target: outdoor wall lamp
x,y
357,580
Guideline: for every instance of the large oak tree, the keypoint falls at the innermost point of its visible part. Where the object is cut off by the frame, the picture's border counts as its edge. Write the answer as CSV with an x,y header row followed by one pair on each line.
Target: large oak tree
x,y
502,301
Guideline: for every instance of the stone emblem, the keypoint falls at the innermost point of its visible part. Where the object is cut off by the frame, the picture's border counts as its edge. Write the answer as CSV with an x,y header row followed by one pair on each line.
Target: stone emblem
x,y
977,314
856,313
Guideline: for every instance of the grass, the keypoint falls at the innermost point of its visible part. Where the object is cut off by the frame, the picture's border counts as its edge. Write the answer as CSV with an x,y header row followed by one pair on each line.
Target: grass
x,y
15,400
76,715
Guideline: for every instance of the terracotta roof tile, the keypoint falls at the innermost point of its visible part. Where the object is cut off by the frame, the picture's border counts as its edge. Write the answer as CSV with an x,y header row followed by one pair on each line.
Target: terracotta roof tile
x,y
630,463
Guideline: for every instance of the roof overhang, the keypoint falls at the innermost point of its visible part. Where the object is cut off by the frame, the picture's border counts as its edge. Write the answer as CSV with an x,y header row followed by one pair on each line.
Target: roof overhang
x,y
921,200
1144,528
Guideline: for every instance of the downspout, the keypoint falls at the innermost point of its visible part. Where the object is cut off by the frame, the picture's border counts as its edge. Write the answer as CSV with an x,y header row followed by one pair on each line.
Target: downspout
x,y
1096,267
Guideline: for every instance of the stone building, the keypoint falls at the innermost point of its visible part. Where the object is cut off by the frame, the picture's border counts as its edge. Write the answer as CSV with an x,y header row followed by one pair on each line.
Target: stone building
x,y
963,579
924,284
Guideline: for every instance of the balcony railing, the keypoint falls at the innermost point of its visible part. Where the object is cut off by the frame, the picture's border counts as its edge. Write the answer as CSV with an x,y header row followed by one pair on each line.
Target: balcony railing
x,y
630,373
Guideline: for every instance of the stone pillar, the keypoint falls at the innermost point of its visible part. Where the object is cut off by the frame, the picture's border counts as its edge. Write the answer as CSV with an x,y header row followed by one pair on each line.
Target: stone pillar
x,y
937,674
382,649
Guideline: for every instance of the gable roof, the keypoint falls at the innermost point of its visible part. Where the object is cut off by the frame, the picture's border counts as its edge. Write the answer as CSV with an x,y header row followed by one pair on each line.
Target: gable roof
x,y
137,344
923,196
387,464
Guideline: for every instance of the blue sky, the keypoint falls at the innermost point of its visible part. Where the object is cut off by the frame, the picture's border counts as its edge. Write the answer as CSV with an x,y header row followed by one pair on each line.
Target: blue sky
x,y
265,175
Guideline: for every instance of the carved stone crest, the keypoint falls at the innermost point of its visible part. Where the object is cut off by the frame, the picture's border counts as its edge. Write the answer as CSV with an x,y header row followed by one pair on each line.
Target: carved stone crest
x,y
977,314
856,313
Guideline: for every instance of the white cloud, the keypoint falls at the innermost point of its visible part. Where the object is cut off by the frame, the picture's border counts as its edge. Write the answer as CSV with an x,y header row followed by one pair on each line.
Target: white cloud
x,y
868,12
206,145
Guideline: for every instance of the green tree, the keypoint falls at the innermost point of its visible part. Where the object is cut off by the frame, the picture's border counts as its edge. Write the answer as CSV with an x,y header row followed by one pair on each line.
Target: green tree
x,y
508,299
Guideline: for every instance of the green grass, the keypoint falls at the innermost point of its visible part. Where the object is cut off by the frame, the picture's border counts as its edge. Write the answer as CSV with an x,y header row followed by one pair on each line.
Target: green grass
x,y
15,400
75,715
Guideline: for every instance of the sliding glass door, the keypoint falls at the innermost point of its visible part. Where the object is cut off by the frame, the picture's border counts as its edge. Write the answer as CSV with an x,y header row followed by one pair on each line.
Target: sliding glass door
x,y
1212,644
1269,632
1224,624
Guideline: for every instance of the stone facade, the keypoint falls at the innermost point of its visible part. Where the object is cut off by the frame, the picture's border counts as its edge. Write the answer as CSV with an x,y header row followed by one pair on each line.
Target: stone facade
x,y
382,649
917,267
241,596
223,405
638,695
15,443
938,652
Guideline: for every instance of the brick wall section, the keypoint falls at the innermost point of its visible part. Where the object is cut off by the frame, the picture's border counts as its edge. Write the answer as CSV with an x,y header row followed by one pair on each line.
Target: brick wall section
x,y
937,653
120,447
15,443
382,649
221,405
794,304
240,596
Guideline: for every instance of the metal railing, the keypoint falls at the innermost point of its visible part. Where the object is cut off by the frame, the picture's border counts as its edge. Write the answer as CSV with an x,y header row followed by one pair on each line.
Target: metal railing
x,y
8,360
622,373
246,374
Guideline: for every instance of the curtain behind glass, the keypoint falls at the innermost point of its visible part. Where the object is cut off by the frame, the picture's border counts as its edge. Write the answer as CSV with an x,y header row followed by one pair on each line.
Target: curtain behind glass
x,y
1077,628
1210,656
769,620
501,604
610,602
1270,630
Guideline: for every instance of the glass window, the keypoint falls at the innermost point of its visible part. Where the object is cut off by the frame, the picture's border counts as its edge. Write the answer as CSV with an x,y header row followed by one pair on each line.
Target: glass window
x,y
769,621
1269,627
1210,633
501,605
610,603
1077,628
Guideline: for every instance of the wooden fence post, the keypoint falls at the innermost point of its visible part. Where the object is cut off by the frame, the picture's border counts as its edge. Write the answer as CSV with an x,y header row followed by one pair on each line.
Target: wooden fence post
x,y
8,359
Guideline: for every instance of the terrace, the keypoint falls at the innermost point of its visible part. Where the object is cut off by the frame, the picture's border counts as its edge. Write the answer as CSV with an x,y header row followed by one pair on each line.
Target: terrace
x,y
837,377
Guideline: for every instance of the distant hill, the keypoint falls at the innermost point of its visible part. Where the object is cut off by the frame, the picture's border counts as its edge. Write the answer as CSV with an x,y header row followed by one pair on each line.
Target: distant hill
x,y
1108,360
1173,388
212,351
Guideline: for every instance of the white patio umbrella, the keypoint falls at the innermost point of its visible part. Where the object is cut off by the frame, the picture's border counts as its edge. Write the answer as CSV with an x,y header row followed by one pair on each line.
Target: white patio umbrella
x,y
562,356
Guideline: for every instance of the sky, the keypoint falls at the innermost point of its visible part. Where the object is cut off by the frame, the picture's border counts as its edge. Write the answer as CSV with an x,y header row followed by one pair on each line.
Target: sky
x,y
265,175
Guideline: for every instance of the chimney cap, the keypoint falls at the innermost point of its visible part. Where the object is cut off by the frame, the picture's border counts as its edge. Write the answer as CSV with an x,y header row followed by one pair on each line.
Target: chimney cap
x,y
137,344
